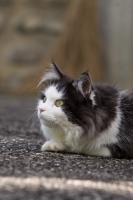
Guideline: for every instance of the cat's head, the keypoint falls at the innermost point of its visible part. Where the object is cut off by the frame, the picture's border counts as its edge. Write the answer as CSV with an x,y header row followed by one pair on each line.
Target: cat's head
x,y
63,100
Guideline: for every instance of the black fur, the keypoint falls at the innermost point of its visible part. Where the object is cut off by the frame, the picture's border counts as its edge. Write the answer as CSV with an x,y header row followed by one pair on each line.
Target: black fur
x,y
124,148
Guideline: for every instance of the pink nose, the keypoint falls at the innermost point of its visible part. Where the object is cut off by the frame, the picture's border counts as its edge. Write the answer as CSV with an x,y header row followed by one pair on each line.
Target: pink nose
x,y
41,110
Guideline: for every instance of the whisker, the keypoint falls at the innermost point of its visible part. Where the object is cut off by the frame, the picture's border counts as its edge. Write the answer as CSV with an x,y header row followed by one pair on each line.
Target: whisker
x,y
32,116
34,123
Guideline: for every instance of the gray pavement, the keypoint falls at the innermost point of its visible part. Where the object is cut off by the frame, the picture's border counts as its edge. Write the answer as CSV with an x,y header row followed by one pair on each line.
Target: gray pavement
x,y
28,174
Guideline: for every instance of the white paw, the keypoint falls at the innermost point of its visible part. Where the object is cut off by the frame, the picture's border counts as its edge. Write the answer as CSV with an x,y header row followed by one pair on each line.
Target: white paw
x,y
53,146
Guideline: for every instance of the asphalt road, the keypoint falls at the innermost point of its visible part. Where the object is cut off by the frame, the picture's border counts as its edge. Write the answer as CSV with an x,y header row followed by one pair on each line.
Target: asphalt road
x,y
28,174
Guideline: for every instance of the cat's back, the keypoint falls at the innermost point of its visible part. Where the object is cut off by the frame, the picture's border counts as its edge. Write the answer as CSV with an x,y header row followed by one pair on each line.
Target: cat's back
x,y
109,95
110,92
106,95
126,107
105,88
126,99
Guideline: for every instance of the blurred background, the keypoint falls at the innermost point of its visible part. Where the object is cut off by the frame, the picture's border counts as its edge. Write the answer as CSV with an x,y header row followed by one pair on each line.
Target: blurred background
x,y
77,34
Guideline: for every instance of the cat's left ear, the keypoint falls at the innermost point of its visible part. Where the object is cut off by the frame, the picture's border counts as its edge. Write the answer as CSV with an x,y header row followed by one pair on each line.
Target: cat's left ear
x,y
84,84
54,73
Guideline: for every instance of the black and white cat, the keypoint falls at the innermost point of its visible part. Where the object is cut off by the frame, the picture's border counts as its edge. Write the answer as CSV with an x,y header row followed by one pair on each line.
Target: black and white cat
x,y
82,117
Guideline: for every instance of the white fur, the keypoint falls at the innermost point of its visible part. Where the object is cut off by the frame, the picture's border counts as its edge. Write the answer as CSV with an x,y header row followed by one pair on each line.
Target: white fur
x,y
102,151
53,146
65,136
92,98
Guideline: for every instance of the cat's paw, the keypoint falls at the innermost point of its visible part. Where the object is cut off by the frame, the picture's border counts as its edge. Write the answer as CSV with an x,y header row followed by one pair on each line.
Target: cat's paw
x,y
52,146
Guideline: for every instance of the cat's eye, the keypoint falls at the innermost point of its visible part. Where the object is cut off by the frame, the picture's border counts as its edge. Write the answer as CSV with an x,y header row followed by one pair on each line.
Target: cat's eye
x,y
44,99
59,103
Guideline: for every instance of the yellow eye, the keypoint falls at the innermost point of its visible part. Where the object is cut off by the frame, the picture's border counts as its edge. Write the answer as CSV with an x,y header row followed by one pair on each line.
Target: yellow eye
x,y
59,103
44,100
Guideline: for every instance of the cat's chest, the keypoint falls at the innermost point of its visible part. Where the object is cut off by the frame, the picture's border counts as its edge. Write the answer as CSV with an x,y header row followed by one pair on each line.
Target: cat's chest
x,y
73,137
55,133
70,135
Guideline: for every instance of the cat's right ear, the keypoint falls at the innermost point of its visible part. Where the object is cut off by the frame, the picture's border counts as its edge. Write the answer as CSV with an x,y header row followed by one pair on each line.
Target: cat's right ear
x,y
54,73
83,84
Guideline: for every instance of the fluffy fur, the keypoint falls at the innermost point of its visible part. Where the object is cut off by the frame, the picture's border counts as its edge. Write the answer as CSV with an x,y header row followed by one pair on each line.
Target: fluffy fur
x,y
95,119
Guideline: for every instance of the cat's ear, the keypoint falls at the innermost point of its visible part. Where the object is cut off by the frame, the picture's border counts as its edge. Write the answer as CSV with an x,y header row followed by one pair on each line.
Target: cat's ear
x,y
54,73
84,84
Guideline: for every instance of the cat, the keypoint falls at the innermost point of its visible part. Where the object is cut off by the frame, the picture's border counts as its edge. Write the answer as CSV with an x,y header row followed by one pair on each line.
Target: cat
x,y
82,117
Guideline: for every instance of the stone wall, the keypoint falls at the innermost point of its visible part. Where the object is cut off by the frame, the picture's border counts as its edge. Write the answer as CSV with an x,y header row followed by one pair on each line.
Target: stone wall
x,y
28,31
